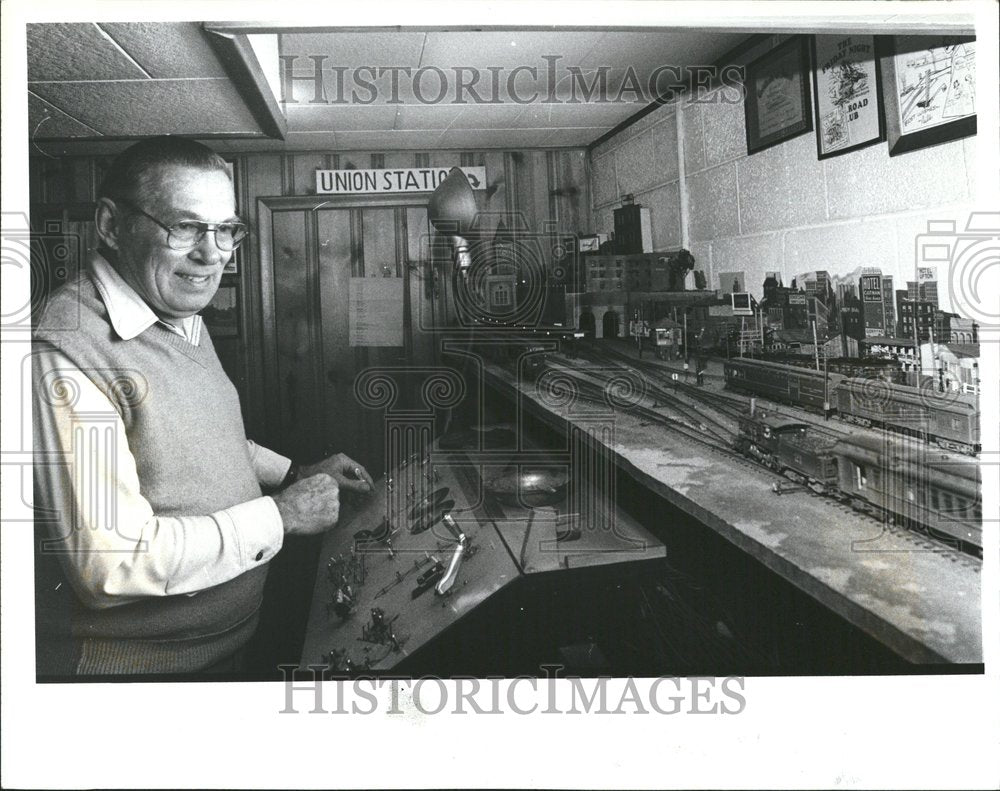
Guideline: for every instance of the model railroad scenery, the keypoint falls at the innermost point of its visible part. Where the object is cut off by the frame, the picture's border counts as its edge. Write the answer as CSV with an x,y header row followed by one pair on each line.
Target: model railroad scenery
x,y
902,455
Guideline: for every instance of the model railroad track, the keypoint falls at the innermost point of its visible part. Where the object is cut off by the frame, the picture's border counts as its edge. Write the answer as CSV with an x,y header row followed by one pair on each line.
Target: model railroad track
x,y
685,399
694,425
730,405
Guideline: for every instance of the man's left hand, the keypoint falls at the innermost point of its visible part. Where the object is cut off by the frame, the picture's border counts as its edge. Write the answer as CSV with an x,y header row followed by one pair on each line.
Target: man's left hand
x,y
349,475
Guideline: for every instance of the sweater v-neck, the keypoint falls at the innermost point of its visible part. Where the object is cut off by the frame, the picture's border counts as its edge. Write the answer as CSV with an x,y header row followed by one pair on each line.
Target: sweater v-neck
x,y
196,352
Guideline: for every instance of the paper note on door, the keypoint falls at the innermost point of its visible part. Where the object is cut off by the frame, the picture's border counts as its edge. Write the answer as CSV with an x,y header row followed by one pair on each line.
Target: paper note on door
x,y
376,311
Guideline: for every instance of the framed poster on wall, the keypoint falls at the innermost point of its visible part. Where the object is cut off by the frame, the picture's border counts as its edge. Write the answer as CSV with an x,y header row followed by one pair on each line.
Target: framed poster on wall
x,y
777,95
929,88
847,91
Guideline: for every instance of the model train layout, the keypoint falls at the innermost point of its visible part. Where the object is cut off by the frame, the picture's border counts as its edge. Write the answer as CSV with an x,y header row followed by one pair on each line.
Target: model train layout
x,y
910,461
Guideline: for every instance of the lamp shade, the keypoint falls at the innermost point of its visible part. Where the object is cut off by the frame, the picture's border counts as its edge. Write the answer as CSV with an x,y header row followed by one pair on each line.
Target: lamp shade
x,y
452,206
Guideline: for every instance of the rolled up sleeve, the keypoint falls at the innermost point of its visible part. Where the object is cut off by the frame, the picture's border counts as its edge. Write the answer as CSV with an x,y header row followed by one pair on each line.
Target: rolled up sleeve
x,y
270,467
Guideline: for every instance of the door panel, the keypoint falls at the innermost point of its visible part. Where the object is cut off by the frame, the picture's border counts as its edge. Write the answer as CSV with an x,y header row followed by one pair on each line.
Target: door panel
x,y
312,249
300,414
378,244
336,242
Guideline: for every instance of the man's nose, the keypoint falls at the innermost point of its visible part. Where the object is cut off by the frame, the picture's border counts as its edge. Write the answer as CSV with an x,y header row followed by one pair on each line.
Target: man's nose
x,y
208,252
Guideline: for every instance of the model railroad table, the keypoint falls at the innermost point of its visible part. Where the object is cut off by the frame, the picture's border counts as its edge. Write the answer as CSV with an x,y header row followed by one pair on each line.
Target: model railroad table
x,y
920,599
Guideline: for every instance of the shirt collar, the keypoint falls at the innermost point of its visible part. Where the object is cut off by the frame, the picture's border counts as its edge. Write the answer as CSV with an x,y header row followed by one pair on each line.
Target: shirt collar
x,y
129,314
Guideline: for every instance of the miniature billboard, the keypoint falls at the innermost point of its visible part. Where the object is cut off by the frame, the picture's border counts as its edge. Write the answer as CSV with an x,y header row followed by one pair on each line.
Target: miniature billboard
x,y
742,304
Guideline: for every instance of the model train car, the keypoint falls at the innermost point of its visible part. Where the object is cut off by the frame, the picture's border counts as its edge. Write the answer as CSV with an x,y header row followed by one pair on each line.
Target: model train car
x,y
788,383
919,485
888,477
949,419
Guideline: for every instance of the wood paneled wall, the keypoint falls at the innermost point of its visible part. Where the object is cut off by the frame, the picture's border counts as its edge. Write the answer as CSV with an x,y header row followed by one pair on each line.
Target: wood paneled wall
x,y
538,190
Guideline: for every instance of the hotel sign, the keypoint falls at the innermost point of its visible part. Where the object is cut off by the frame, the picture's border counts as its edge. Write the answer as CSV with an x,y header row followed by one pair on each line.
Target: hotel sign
x,y
871,288
390,180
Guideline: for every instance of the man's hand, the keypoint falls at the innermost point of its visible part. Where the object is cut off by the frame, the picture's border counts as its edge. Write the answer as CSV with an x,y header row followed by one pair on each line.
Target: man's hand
x,y
309,505
348,474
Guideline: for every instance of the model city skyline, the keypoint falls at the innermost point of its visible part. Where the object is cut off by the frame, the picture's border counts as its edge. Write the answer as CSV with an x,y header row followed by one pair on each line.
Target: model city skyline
x,y
863,315
862,305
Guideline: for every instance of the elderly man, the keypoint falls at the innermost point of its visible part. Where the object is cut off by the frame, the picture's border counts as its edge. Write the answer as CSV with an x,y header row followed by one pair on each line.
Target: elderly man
x,y
158,536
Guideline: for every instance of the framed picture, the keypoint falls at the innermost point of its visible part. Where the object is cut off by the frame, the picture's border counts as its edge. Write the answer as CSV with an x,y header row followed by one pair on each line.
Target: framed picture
x,y
777,95
847,91
929,89
222,315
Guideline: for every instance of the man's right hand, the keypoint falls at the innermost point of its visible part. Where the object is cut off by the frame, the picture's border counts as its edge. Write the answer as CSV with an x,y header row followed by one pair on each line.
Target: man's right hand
x,y
309,506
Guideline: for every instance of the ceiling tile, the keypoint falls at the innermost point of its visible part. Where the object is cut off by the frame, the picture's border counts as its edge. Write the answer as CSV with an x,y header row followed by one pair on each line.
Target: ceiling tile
x,y
606,114
61,51
646,50
508,49
534,116
370,48
340,117
489,116
440,116
302,141
389,140
493,138
179,56
167,49
582,136
153,107
428,85
48,122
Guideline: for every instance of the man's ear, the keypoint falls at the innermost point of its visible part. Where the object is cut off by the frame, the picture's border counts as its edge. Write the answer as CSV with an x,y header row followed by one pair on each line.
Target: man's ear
x,y
108,219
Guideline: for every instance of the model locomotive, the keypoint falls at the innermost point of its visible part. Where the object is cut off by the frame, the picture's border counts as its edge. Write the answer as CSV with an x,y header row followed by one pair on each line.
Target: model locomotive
x,y
950,420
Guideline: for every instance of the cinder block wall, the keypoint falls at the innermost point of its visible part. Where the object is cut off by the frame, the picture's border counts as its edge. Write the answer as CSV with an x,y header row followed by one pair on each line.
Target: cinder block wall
x,y
781,209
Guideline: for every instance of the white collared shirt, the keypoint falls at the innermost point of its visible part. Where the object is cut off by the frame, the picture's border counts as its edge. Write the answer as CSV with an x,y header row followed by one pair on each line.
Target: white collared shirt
x,y
184,554
129,314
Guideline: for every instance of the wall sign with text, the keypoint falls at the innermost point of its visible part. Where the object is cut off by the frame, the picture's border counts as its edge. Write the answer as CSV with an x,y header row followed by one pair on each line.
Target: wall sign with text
x,y
390,180
848,95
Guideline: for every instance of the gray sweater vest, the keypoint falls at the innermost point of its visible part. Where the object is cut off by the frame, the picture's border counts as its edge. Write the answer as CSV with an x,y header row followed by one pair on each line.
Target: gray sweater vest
x,y
184,427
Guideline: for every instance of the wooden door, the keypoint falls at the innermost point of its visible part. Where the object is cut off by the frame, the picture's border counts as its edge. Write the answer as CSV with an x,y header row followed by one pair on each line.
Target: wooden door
x,y
315,253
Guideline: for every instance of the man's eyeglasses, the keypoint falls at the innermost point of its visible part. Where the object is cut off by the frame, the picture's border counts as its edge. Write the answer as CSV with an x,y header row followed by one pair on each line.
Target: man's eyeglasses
x,y
188,233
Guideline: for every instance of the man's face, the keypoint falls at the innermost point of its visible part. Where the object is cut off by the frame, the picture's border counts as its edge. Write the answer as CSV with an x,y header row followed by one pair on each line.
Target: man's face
x,y
176,283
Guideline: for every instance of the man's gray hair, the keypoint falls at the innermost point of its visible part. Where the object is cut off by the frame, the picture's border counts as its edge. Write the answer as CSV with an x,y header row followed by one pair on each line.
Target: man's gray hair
x,y
130,171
